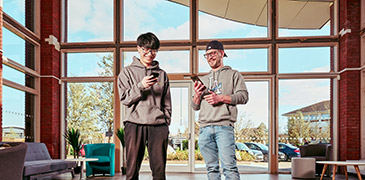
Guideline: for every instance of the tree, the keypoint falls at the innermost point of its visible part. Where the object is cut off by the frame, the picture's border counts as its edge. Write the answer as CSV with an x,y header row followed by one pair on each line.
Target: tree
x,y
103,94
261,133
298,128
243,128
79,113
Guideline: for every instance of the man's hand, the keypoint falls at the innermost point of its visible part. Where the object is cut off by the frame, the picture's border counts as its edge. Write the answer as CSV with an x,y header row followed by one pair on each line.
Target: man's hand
x,y
148,81
213,98
199,89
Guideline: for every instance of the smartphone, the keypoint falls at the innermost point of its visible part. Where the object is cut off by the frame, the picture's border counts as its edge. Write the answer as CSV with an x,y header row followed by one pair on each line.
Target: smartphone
x,y
155,75
196,78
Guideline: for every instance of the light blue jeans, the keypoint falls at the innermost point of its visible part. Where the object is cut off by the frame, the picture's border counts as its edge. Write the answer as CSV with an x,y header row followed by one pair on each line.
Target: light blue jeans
x,y
214,141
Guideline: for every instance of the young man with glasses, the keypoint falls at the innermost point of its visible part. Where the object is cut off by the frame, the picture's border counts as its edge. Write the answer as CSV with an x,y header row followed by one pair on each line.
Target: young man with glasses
x,y
225,88
145,91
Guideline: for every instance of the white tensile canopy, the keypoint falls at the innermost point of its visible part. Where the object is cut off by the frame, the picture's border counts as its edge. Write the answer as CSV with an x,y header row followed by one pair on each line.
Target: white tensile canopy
x,y
293,14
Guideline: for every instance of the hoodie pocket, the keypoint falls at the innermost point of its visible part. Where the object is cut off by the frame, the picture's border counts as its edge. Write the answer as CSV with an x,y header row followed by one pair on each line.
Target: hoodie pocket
x,y
147,114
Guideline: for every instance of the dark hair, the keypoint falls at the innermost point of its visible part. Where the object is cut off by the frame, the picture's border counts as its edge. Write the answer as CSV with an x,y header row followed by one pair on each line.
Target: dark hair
x,y
148,40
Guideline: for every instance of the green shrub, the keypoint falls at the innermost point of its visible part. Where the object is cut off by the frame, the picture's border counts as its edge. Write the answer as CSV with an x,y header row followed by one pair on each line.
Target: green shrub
x,y
186,144
178,155
146,156
244,156
198,155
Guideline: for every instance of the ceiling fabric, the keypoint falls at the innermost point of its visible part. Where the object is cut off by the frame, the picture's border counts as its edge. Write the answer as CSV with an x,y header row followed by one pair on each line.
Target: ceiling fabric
x,y
293,14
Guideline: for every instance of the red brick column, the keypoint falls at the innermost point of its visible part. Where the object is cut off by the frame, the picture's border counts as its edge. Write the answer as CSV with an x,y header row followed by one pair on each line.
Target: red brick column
x,y
349,84
50,88
1,72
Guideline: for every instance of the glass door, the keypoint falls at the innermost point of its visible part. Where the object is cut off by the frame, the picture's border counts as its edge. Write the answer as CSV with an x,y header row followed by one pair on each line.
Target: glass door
x,y
178,152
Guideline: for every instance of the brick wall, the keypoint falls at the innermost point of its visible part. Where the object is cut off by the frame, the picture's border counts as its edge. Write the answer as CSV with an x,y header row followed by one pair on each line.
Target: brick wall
x,y
50,88
349,85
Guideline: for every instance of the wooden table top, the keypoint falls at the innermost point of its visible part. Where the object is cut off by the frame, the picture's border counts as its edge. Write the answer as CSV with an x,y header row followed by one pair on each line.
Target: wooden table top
x,y
342,163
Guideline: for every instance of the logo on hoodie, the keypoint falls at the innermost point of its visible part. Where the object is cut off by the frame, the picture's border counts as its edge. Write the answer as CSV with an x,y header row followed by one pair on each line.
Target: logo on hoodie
x,y
215,86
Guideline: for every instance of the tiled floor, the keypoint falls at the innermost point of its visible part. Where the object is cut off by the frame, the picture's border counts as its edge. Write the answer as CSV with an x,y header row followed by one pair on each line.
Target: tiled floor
x,y
193,176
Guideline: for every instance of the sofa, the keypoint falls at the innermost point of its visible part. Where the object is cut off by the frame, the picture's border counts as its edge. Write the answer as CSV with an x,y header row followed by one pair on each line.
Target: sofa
x,y
12,156
104,152
321,152
38,163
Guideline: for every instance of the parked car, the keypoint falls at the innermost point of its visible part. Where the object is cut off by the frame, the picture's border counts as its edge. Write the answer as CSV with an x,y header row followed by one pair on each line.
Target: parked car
x,y
257,154
264,149
289,151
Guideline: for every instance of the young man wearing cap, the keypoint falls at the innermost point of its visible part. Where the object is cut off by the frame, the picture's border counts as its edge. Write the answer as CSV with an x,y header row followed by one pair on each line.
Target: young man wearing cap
x,y
148,109
225,88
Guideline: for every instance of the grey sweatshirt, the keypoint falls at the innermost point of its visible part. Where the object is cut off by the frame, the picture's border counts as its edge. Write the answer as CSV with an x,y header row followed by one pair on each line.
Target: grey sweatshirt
x,y
225,81
148,106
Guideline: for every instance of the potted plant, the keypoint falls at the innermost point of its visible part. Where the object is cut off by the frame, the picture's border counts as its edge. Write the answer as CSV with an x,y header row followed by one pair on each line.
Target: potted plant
x,y
72,137
120,135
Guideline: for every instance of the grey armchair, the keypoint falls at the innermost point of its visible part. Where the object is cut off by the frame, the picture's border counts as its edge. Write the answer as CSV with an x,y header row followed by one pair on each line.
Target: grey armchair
x,y
12,161
321,152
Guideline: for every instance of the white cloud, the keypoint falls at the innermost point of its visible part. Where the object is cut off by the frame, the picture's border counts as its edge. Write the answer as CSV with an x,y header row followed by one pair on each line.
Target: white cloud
x,y
320,69
256,109
257,33
138,14
210,26
77,15
179,32
174,61
302,93
95,17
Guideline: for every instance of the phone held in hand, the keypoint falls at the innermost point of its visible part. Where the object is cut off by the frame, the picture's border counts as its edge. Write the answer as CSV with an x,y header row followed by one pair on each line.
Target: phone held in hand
x,y
155,75
196,78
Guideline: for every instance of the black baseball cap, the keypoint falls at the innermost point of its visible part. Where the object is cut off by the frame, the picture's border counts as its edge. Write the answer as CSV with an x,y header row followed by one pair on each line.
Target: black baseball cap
x,y
215,45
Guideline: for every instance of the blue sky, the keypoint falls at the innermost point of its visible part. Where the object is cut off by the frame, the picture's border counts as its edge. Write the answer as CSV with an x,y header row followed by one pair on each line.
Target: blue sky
x,y
92,20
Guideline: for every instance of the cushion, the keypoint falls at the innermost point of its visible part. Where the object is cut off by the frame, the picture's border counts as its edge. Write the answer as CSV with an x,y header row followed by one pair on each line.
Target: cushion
x,y
37,151
45,166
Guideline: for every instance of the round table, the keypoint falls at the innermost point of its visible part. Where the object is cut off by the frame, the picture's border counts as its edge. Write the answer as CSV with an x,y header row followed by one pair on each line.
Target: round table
x,y
82,162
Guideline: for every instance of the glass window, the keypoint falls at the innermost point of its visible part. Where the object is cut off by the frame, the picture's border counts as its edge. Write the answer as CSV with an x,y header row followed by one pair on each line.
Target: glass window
x,y
17,49
90,64
243,60
90,20
252,126
296,98
169,61
166,19
17,10
17,77
90,108
17,115
302,18
232,19
304,59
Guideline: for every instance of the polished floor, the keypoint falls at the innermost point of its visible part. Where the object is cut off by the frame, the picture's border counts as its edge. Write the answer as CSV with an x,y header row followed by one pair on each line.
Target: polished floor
x,y
193,176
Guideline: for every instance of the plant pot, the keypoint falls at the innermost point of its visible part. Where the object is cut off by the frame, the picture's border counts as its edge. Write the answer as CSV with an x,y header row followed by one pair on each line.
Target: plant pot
x,y
77,169
124,170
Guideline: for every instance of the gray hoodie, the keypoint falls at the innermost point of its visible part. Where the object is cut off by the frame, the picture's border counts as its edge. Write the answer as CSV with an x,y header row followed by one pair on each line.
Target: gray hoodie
x,y
225,81
148,106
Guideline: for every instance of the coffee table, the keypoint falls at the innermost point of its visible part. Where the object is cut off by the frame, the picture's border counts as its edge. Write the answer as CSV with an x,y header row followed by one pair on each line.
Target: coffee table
x,y
82,162
341,163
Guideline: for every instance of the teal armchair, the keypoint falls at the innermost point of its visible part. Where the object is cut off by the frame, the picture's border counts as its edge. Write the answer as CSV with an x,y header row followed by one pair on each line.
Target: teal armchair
x,y
105,153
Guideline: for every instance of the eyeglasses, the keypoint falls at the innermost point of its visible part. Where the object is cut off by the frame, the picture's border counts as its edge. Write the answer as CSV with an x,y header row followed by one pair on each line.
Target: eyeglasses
x,y
214,53
146,51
